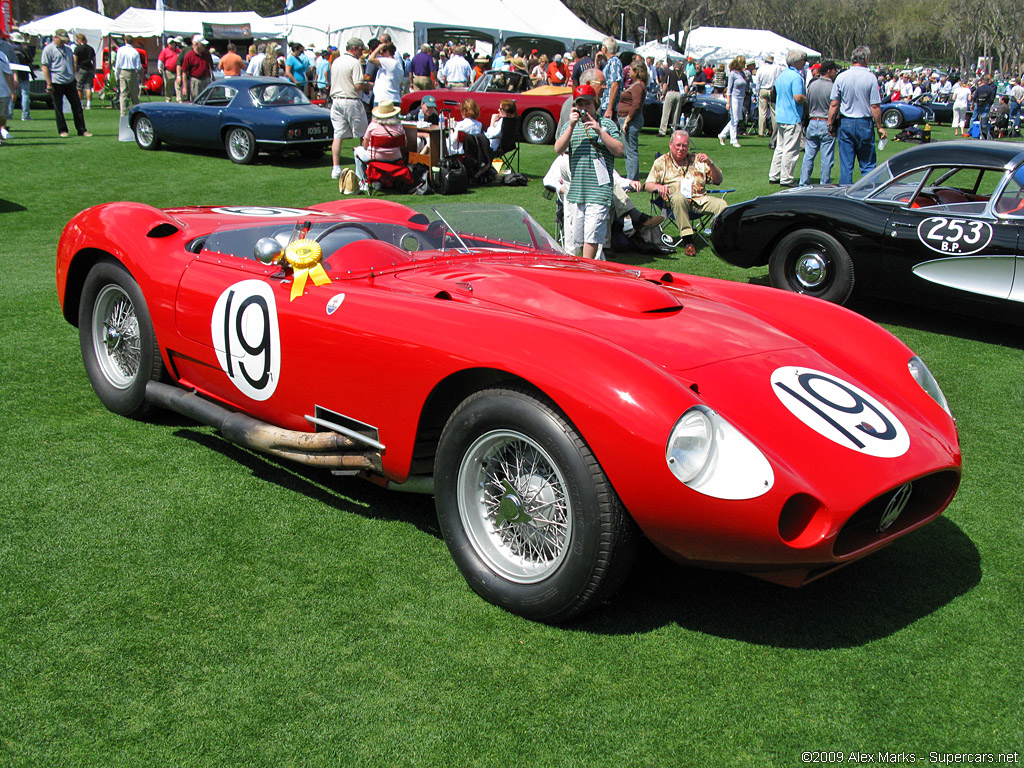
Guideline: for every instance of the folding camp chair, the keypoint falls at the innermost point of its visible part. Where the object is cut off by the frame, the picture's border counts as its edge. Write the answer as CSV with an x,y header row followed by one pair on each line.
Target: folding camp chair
x,y
388,174
699,220
508,149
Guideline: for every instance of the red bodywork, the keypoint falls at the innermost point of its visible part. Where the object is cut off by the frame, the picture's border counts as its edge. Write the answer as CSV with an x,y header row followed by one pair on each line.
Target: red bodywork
x,y
622,352
449,103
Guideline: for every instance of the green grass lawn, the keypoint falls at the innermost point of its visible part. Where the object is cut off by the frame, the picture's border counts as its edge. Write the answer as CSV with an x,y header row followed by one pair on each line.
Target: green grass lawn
x,y
169,599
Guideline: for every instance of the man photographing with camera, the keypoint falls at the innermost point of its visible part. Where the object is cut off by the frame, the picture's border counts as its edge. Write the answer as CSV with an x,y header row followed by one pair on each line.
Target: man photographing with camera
x,y
593,143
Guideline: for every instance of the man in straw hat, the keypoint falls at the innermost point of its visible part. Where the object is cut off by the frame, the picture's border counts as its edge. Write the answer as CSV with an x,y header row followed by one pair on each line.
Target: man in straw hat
x,y
384,140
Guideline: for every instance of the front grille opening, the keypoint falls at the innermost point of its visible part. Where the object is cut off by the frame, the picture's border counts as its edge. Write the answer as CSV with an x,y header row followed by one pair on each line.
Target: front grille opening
x,y
929,495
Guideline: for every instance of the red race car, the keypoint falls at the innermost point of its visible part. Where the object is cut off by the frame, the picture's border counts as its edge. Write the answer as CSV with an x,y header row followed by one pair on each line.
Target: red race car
x,y
539,111
555,407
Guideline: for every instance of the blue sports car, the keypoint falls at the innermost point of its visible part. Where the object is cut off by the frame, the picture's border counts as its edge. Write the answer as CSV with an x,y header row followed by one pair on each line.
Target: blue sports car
x,y
245,115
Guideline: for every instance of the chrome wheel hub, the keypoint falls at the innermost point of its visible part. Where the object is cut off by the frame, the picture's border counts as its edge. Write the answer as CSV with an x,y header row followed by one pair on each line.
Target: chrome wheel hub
x,y
239,144
514,506
115,333
144,129
811,270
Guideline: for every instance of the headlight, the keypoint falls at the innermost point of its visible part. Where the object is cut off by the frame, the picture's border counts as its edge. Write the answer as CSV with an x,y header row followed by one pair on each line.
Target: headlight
x,y
712,457
689,445
928,383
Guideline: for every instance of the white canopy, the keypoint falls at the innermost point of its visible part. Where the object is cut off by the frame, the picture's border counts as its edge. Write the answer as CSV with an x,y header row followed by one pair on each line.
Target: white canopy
x,y
149,23
659,51
715,44
73,20
409,22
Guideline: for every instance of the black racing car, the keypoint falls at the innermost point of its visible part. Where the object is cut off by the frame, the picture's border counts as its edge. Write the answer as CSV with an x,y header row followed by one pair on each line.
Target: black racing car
x,y
940,224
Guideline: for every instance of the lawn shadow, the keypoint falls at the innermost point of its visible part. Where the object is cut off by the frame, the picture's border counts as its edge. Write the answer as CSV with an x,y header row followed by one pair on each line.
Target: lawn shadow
x,y
942,322
9,206
274,159
868,600
344,494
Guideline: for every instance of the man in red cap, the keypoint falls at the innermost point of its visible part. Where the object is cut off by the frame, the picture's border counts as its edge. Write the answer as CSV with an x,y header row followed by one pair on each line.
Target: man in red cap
x,y
593,143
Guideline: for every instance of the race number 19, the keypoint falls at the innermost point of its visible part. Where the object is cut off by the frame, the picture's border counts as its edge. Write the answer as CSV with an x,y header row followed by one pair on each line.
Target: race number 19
x,y
246,338
843,413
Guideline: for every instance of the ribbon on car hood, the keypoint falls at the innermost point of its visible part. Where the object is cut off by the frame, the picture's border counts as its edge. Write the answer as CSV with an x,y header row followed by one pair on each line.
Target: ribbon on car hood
x,y
303,256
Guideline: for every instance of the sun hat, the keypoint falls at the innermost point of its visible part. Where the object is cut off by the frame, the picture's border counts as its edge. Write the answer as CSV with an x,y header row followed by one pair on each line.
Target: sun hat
x,y
386,109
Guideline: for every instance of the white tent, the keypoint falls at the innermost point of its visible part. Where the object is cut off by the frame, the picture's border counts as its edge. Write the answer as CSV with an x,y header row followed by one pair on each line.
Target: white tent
x,y
659,51
73,20
143,22
715,44
412,22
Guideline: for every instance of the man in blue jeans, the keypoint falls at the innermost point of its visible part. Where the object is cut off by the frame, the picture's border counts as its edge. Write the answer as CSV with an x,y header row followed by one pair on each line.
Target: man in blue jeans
x,y
817,139
856,100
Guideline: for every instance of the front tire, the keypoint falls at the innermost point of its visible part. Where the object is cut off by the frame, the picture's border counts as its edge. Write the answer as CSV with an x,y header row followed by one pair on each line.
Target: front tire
x,y
892,119
695,123
240,145
115,332
539,128
814,263
528,515
145,134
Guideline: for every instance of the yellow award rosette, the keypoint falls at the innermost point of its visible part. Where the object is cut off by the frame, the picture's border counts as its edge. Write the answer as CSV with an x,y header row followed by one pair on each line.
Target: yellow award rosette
x,y
303,256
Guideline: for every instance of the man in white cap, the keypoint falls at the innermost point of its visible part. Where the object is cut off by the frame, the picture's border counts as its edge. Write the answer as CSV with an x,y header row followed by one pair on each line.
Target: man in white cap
x,y
765,80
347,87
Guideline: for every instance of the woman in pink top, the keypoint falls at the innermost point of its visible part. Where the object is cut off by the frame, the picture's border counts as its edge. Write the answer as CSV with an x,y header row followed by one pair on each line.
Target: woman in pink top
x,y
383,140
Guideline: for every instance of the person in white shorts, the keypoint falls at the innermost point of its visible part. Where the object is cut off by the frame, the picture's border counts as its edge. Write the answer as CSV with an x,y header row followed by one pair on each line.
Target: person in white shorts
x,y
347,86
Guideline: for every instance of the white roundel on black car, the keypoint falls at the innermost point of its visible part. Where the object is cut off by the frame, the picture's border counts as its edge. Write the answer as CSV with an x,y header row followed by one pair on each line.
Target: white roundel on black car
x,y
246,338
961,237
840,411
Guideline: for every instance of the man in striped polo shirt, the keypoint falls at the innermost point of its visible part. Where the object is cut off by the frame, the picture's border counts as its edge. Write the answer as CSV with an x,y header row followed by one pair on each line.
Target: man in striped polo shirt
x,y
593,145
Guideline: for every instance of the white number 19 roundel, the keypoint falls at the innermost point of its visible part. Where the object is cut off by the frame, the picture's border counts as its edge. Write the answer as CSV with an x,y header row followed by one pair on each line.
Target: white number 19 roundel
x,y
246,338
841,412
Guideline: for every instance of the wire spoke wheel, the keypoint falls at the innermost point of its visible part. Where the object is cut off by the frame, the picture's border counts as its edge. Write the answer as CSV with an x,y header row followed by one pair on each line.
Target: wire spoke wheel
x,y
514,505
115,334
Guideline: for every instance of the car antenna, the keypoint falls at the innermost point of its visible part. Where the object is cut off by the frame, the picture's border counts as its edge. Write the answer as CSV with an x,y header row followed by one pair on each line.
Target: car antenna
x,y
454,233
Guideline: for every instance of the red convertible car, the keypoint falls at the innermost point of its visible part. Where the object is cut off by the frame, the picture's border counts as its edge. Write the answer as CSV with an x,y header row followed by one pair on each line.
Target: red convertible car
x,y
555,407
539,111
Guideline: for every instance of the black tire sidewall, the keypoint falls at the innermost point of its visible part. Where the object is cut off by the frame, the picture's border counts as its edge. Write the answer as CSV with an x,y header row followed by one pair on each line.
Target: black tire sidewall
x,y
781,268
557,596
248,157
131,400
548,122
135,130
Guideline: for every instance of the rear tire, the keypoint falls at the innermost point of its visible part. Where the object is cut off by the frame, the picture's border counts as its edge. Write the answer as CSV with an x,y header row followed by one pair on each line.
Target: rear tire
x,y
240,145
115,332
539,128
528,515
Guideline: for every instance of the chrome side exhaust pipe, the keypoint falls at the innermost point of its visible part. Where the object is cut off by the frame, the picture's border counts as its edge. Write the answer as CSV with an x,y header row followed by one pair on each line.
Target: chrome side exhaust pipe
x,y
316,449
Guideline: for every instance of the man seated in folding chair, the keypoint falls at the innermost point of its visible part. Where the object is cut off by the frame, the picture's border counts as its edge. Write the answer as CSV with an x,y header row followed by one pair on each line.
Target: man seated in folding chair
x,y
380,158
679,181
